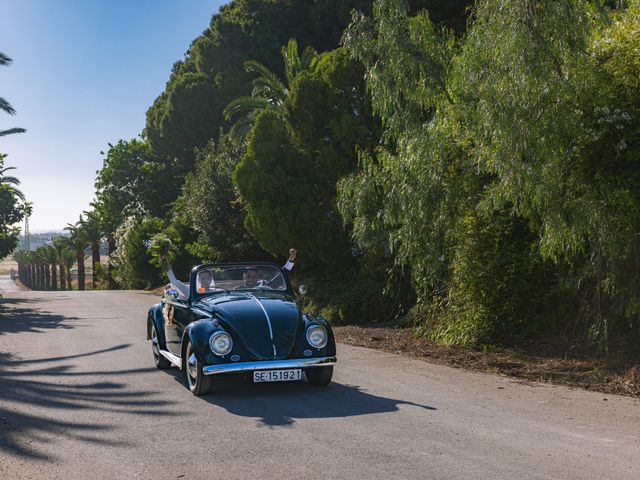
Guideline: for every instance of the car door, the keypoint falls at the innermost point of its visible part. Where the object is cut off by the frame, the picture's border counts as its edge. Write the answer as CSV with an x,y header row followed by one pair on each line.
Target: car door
x,y
176,317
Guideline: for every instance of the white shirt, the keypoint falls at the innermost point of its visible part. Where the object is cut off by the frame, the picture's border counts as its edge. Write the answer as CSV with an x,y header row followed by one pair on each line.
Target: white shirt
x,y
183,289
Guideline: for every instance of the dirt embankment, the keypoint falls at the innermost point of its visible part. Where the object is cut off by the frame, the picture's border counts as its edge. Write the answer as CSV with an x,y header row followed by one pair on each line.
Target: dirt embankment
x,y
541,362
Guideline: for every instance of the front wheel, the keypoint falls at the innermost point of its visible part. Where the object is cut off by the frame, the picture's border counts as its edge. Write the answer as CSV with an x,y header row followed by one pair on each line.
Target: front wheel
x,y
319,376
199,383
161,362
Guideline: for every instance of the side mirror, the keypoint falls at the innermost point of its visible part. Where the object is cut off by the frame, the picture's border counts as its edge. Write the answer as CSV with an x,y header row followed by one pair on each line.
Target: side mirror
x,y
302,289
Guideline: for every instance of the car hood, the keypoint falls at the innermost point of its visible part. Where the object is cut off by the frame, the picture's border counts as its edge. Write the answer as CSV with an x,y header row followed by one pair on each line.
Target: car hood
x,y
254,318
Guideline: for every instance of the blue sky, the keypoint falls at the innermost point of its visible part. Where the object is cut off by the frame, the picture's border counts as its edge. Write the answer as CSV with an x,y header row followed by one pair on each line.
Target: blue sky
x,y
84,74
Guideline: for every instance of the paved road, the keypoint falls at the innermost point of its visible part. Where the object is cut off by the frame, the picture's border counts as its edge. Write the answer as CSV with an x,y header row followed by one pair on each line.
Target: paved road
x,y
80,398
7,285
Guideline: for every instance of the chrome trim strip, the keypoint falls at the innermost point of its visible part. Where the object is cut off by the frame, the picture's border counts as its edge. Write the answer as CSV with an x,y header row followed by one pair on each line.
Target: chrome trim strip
x,y
273,343
269,365
175,360
201,312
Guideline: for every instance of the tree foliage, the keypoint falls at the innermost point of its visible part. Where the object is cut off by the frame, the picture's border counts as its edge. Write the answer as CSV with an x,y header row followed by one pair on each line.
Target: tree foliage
x,y
288,175
269,91
210,205
11,211
5,106
132,261
190,110
525,116
486,150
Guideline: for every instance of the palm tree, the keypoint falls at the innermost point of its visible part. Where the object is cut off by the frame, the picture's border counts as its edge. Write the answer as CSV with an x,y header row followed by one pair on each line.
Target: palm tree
x,y
269,91
66,258
9,181
42,258
5,106
78,242
37,263
22,258
25,259
10,131
50,256
108,224
93,233
60,247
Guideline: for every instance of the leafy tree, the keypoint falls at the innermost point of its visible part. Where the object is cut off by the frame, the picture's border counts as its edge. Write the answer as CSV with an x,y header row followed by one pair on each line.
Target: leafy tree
x,y
407,197
133,181
524,121
133,267
190,110
211,207
449,14
288,176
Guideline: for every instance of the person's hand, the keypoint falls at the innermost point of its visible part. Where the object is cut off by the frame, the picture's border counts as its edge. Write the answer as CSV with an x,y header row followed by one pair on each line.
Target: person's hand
x,y
292,254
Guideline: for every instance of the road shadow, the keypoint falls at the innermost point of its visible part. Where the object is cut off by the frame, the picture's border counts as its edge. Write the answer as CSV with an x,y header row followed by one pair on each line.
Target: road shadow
x,y
281,404
38,397
17,319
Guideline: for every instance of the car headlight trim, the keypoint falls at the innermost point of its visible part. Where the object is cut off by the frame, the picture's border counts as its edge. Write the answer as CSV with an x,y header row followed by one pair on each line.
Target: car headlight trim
x,y
220,343
317,336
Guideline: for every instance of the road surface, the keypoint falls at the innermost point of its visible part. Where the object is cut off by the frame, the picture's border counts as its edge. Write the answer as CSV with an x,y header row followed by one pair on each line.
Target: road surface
x,y
81,398
7,285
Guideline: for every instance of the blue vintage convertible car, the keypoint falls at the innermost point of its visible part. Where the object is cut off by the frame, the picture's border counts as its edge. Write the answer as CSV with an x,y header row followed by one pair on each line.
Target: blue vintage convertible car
x,y
240,318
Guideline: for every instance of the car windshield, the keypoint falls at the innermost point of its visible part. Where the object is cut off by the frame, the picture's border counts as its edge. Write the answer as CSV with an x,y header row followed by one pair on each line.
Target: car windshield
x,y
239,277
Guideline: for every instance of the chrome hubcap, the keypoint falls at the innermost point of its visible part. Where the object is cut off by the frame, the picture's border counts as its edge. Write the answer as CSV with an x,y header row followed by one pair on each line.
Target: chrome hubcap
x,y
192,366
154,344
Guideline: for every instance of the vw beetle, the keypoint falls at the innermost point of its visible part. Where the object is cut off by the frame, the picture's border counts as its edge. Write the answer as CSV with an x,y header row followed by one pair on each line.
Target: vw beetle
x,y
232,325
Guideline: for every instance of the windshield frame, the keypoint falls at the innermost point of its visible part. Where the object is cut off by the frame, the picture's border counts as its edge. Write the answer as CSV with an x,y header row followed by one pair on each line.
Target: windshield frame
x,y
194,295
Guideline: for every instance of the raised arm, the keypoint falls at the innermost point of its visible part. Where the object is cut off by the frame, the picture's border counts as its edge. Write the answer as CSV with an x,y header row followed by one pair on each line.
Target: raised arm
x,y
181,287
292,257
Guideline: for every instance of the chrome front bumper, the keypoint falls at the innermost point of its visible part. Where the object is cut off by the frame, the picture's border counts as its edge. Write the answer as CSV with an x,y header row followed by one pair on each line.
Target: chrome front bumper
x,y
268,365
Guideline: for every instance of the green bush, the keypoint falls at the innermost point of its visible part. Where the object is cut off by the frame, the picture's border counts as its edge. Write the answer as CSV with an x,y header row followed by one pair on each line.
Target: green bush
x,y
372,291
132,260
502,291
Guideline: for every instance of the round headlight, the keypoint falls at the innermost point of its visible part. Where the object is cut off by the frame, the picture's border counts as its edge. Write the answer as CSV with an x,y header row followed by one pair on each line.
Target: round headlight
x,y
220,343
317,336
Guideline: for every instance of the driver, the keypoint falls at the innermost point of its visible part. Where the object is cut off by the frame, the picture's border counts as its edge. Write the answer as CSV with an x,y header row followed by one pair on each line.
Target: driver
x,y
251,276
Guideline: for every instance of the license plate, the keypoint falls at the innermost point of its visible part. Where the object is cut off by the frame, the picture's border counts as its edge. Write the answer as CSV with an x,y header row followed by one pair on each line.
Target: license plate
x,y
277,375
